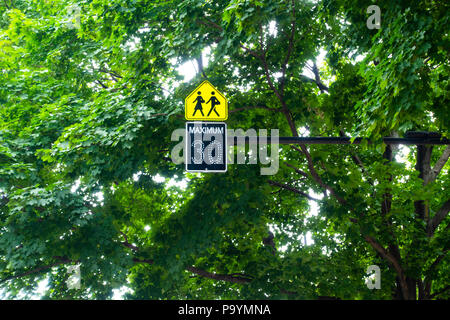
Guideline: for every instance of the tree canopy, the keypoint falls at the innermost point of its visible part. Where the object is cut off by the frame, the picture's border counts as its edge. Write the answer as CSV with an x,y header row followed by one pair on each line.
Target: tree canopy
x,y
90,93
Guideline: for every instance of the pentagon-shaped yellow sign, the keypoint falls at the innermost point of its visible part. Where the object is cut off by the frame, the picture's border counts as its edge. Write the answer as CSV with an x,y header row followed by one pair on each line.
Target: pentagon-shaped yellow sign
x,y
206,103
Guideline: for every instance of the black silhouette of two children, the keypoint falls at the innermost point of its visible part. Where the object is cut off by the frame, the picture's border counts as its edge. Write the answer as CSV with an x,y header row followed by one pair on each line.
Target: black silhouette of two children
x,y
198,107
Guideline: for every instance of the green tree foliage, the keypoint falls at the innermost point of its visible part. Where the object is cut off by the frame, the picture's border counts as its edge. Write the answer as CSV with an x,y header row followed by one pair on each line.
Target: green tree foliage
x,y
88,103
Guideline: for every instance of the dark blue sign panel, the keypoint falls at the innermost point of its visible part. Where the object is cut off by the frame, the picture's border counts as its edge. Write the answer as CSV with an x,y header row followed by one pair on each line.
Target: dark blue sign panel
x,y
206,147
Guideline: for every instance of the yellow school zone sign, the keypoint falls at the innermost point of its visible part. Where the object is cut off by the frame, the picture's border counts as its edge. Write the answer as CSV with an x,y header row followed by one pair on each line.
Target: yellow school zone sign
x,y
206,103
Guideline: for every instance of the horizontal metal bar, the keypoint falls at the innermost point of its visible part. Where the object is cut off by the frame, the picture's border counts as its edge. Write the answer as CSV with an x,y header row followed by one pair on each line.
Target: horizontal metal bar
x,y
341,140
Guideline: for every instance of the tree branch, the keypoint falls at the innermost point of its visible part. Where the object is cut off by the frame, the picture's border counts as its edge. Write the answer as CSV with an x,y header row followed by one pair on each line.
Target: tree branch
x,y
209,23
126,243
386,205
62,260
437,261
430,270
321,86
269,80
148,261
252,52
394,262
200,65
372,241
261,56
439,164
303,173
440,292
289,52
234,277
268,241
287,187
438,218
112,73
319,83
357,160
316,176
222,277
102,84
255,107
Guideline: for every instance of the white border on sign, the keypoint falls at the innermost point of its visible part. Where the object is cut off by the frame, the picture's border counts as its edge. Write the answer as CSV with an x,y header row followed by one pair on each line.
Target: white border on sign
x,y
225,143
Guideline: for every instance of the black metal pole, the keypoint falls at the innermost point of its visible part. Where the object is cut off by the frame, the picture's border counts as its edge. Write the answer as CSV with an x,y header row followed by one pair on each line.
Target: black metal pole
x,y
342,140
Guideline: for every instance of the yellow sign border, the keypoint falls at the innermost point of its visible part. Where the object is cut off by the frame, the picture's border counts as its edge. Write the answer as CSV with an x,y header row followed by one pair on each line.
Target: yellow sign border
x,y
206,119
